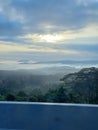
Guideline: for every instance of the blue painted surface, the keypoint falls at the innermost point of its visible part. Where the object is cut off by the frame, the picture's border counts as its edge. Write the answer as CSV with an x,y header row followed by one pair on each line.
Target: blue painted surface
x,y
40,116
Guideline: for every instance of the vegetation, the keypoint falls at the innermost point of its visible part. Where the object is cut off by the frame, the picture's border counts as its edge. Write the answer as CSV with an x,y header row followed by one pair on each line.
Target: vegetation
x,y
59,95
81,87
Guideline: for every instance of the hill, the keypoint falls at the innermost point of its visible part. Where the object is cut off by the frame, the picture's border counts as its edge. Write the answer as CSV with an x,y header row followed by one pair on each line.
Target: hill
x,y
77,87
83,83
15,81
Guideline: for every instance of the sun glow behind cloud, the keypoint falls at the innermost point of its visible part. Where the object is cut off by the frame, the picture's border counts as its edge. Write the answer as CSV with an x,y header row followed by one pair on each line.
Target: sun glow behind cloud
x,y
46,38
63,36
50,38
66,27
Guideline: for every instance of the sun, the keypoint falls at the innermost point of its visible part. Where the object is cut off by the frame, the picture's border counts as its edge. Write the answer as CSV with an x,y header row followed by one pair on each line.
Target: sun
x,y
50,38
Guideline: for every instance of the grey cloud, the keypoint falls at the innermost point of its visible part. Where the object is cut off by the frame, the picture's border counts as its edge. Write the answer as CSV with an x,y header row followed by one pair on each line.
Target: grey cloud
x,y
19,17
91,48
64,15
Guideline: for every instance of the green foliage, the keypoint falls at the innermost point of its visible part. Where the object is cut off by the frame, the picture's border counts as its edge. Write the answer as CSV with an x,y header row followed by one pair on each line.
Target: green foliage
x,y
58,95
21,94
10,97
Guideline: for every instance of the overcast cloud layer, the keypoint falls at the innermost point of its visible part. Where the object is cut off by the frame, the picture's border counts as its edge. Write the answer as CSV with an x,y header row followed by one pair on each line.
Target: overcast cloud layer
x,y
50,29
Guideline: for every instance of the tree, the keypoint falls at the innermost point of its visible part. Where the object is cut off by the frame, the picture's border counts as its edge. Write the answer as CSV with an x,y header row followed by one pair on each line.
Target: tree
x,y
10,97
21,94
59,95
33,99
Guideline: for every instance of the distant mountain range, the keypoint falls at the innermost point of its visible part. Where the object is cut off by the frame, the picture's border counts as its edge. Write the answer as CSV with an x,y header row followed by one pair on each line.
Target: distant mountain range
x,y
28,80
66,62
56,70
15,81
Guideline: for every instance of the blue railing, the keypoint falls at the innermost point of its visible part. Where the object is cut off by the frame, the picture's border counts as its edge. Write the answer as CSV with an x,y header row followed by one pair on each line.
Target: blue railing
x,y
45,116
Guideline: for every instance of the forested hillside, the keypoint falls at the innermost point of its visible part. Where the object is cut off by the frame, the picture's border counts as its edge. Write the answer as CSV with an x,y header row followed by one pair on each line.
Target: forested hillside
x,y
78,87
15,81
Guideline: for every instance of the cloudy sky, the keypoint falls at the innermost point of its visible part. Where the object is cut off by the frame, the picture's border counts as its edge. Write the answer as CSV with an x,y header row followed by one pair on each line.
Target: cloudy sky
x,y
34,31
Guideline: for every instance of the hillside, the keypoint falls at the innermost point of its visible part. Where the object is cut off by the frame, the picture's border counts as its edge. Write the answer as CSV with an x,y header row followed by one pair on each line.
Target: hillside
x,y
83,83
15,81
28,80
77,87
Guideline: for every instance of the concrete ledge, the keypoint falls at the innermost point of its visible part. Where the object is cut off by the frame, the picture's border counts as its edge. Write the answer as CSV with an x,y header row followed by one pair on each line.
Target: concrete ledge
x,y
45,116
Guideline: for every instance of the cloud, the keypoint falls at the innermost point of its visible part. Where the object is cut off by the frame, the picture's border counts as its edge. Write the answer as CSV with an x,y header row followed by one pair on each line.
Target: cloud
x,y
68,27
20,48
82,48
49,16
86,2
88,35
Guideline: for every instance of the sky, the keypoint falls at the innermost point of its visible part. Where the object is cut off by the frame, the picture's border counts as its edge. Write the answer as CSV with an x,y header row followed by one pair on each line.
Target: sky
x,y
48,31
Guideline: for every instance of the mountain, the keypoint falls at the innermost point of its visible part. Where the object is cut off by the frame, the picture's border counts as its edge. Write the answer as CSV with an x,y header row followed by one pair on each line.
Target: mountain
x,y
83,83
57,70
27,81
64,62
